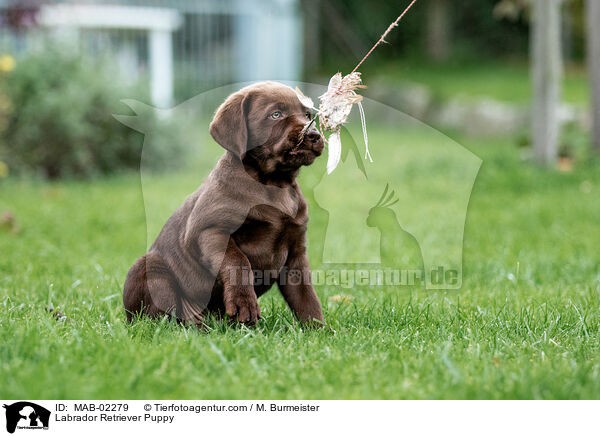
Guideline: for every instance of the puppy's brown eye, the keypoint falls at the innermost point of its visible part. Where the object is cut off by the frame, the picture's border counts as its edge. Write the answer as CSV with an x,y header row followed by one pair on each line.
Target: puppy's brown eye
x,y
276,115
308,114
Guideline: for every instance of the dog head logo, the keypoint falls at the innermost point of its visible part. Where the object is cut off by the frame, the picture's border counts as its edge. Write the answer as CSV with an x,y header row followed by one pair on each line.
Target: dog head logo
x,y
26,415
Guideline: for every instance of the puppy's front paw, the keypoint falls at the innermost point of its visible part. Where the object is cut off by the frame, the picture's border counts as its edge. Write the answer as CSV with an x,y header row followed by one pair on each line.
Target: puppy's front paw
x,y
242,305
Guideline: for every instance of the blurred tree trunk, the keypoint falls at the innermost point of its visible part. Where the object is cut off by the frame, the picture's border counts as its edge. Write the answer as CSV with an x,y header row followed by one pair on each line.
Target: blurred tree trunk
x,y
438,30
593,42
546,74
567,36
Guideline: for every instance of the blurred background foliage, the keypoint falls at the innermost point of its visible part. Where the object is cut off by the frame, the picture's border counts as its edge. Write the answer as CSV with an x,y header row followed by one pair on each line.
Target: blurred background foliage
x,y
470,28
438,30
57,119
469,57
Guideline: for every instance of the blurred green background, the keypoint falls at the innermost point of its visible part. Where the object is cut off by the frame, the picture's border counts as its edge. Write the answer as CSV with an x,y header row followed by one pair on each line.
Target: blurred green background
x,y
77,207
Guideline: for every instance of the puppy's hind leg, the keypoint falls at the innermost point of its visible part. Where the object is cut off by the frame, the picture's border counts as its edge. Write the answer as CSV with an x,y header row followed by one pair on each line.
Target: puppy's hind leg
x,y
150,288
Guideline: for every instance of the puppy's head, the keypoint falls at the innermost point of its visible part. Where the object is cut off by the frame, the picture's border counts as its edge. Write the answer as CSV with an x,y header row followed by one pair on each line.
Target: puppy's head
x,y
262,124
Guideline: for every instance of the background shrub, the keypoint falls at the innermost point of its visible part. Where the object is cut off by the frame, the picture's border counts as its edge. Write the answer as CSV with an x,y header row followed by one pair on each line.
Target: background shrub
x,y
57,119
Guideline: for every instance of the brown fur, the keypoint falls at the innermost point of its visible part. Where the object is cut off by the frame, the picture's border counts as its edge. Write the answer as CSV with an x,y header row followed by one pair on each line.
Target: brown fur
x,y
247,220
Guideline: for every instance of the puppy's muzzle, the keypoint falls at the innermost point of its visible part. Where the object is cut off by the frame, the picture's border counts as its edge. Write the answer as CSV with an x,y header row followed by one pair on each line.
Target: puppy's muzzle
x,y
314,141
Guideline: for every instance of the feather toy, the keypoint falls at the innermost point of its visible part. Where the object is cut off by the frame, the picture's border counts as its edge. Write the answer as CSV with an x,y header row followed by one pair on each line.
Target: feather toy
x,y
336,105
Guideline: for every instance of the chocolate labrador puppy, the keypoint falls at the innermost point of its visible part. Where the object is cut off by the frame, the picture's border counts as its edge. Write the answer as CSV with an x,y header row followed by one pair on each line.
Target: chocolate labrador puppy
x,y
245,227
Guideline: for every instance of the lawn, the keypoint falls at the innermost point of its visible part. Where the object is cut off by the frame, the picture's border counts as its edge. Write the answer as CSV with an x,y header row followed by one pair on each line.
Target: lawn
x,y
525,323
506,80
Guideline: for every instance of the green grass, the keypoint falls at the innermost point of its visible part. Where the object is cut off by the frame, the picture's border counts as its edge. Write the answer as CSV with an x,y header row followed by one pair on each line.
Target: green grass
x,y
507,81
526,331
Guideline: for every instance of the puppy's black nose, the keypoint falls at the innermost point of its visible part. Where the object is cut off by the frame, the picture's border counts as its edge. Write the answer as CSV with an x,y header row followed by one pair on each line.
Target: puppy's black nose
x,y
313,136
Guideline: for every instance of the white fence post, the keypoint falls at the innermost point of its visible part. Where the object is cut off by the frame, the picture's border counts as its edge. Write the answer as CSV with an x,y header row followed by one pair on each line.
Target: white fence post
x,y
161,68
158,22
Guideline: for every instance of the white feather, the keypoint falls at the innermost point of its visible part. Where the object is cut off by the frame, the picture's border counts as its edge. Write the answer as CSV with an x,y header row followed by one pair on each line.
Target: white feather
x,y
334,146
306,101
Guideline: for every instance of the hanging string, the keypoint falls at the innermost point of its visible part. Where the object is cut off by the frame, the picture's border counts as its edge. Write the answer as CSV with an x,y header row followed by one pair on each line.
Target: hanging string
x,y
382,39
363,122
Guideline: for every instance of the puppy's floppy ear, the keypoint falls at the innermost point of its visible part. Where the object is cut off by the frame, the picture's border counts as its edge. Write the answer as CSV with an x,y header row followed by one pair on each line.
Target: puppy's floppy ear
x,y
229,127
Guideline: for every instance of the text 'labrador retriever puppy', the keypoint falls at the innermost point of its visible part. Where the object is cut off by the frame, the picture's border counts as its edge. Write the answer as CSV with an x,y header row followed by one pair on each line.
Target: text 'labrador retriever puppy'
x,y
247,221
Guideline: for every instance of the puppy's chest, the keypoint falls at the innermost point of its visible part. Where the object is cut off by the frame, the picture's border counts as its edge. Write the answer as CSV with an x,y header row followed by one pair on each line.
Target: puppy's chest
x,y
267,236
